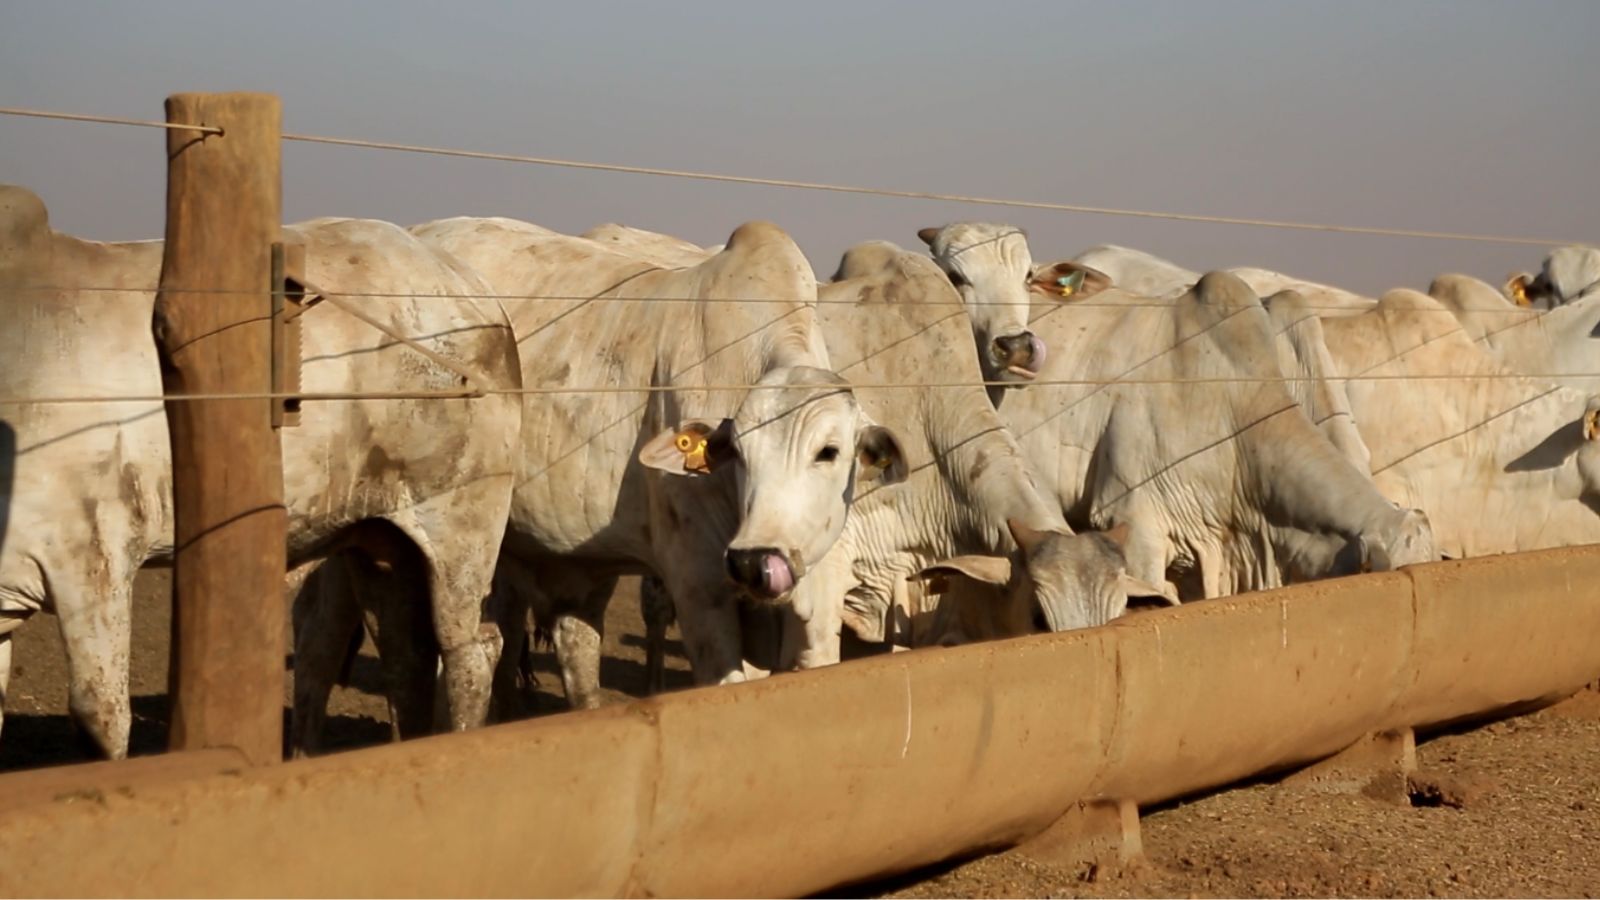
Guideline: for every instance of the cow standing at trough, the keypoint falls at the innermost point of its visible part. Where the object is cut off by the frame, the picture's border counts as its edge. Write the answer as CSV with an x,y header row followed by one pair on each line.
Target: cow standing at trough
x,y
88,488
971,510
742,462
1294,306
1186,432
1501,462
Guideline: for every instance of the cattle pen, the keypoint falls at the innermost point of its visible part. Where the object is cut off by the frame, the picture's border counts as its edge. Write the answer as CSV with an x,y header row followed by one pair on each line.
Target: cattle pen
x,y
1056,740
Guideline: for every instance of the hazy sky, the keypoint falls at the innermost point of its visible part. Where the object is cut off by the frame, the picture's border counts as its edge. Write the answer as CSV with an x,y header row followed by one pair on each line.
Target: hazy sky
x,y
1460,116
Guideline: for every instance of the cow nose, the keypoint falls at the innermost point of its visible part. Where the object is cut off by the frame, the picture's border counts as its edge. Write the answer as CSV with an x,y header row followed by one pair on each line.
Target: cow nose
x,y
763,571
1016,350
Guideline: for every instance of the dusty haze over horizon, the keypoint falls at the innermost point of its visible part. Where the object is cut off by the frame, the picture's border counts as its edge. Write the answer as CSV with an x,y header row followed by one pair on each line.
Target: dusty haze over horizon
x,y
1467,116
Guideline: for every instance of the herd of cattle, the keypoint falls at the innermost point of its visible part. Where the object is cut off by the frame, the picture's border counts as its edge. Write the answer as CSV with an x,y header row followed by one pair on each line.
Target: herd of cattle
x,y
925,449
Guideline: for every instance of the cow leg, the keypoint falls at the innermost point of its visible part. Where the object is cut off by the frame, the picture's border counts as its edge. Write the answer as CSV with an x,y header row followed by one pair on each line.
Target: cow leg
x,y
708,620
509,604
1210,559
408,655
1146,550
578,633
813,641
326,616
468,646
97,630
655,607
459,535
5,675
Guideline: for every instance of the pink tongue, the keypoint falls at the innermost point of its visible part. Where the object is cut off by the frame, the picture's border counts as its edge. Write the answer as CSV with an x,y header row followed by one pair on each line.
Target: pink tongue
x,y
1038,353
779,578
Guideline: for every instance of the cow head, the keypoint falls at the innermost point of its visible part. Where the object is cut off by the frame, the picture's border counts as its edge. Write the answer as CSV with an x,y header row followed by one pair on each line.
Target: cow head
x,y
1065,580
1405,541
990,267
1568,274
800,447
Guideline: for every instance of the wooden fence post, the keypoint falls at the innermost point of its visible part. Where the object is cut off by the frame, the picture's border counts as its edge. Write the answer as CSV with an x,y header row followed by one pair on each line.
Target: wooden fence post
x,y
212,323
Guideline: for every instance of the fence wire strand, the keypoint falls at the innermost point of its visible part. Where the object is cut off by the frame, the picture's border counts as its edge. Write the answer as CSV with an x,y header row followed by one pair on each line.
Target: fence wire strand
x,y
821,186
472,394
473,391
107,120
1353,308
921,195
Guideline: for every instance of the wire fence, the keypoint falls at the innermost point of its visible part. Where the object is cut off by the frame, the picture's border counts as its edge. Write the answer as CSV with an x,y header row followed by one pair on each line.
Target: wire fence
x,y
472,390
473,394
834,188
1126,302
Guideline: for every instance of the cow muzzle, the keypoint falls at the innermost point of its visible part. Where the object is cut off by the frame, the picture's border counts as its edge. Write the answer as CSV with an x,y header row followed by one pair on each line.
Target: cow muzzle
x,y
762,572
1021,355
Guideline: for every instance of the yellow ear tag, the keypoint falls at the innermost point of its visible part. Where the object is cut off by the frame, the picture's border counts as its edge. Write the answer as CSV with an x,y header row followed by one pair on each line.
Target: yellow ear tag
x,y
693,448
1591,425
1519,293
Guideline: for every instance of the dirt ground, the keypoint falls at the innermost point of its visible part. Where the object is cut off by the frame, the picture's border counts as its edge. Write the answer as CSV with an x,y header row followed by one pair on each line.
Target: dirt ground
x,y
1509,809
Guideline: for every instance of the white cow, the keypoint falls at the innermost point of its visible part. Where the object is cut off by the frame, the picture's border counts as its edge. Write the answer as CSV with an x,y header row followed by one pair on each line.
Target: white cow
x,y
87,487
700,480
1295,305
971,508
1172,417
1500,462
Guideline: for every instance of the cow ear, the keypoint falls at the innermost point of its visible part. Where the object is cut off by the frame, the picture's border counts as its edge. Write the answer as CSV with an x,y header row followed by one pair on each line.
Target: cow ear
x,y
695,447
994,570
1068,281
1134,586
879,457
1517,289
1118,534
1026,538
928,235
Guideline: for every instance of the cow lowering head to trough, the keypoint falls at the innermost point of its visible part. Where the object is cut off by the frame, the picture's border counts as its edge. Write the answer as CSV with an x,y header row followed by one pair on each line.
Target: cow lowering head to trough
x,y
1501,461
970,517
90,496
721,453
1175,419
1294,306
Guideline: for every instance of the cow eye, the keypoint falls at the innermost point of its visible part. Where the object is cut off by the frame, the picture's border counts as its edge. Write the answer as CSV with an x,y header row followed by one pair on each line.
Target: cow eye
x,y
957,279
828,454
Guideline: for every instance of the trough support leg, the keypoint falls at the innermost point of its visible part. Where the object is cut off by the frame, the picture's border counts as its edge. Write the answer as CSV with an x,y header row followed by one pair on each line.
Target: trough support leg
x,y
1380,765
1102,835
